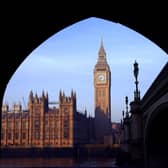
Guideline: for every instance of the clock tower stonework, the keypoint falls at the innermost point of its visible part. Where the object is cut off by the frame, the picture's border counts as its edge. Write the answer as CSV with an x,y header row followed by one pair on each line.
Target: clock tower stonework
x,y
102,96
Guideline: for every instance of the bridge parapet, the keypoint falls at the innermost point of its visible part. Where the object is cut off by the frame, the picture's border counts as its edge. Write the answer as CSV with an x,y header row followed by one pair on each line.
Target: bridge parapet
x,y
135,107
158,88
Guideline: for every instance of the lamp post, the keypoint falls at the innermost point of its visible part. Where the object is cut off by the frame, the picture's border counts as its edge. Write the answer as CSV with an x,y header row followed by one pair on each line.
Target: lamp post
x,y
126,102
123,113
136,72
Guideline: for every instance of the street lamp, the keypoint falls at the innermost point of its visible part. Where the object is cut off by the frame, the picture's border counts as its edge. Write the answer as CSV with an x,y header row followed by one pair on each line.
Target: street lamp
x,y
136,72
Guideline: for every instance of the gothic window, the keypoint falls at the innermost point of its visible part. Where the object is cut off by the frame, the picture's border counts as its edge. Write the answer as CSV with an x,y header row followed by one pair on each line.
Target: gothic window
x,y
16,124
2,134
37,124
66,133
46,136
23,124
46,121
56,130
66,128
36,111
37,135
16,135
56,134
66,111
66,123
23,135
9,136
51,135
47,132
51,124
9,124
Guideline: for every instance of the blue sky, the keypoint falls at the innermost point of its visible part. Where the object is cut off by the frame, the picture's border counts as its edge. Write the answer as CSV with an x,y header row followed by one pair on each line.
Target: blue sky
x,y
66,61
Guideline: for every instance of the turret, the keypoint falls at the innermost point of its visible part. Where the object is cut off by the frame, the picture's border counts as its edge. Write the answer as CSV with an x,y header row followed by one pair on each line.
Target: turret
x,y
36,99
74,99
43,100
72,93
47,95
85,112
75,95
63,100
31,96
5,107
43,95
60,96
16,108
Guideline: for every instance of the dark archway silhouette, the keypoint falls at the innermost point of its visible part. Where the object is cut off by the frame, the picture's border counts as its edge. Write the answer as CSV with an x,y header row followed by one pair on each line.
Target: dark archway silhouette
x,y
156,140
26,30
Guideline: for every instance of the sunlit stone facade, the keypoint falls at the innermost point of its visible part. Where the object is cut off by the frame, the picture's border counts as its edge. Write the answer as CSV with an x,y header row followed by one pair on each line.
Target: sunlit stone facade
x,y
42,126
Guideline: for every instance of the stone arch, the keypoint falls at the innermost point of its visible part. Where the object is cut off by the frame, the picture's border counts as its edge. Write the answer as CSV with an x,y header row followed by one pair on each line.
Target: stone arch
x,y
25,36
155,138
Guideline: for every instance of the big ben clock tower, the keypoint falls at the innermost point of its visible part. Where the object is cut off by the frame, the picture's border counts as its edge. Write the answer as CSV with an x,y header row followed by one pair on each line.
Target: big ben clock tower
x,y
102,96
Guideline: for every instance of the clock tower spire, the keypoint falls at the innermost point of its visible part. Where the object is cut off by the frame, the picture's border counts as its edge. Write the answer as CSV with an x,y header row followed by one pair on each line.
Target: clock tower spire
x,y
101,55
102,96
102,52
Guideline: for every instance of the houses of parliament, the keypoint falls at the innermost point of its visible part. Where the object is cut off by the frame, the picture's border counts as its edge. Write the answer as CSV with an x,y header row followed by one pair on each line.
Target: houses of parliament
x,y
42,125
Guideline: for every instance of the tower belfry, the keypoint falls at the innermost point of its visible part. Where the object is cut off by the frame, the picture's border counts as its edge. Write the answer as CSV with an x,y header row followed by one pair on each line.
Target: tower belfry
x,y
102,94
102,61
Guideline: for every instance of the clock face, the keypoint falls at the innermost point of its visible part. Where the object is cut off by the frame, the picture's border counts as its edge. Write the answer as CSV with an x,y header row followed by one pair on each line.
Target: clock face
x,y
100,77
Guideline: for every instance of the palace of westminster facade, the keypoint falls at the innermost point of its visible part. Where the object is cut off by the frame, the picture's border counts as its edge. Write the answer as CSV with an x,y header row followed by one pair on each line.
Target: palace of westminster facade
x,y
62,126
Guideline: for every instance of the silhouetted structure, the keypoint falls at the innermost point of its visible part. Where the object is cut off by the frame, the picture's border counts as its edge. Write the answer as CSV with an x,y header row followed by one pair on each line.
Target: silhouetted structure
x,y
141,130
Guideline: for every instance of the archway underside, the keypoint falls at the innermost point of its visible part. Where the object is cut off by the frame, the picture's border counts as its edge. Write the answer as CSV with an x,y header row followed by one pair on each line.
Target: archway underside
x,y
157,139
29,31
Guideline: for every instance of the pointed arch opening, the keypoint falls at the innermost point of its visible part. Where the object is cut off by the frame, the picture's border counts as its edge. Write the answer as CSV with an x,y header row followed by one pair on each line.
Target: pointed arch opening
x,y
29,49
